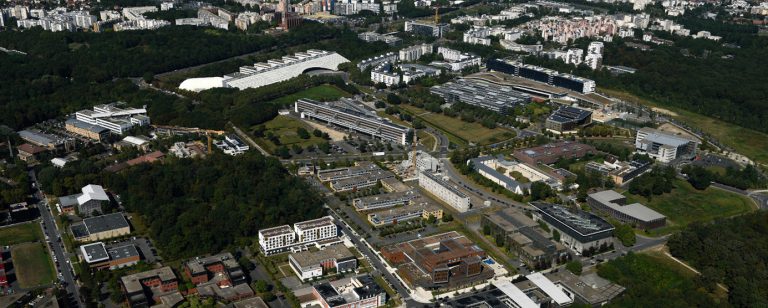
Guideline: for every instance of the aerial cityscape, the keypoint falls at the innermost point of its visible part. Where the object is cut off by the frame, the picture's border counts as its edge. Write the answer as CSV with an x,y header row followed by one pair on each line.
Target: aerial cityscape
x,y
383,153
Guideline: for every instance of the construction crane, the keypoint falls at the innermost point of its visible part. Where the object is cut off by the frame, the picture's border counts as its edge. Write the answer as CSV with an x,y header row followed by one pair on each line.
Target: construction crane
x,y
437,15
210,143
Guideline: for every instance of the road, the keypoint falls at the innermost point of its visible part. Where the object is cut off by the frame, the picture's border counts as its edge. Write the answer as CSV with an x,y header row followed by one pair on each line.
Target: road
x,y
248,139
374,260
56,246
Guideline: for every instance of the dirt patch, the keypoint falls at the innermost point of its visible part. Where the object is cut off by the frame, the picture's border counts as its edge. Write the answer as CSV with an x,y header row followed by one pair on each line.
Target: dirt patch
x,y
334,134
664,111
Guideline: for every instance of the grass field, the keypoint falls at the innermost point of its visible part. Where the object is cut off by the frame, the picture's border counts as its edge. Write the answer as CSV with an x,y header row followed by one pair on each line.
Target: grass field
x,y
426,139
28,232
285,128
322,93
468,132
33,265
685,205
745,141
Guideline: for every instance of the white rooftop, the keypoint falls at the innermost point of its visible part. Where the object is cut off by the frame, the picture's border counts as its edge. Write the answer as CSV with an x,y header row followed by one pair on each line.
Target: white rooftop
x,y
550,288
92,192
135,140
515,294
636,210
201,84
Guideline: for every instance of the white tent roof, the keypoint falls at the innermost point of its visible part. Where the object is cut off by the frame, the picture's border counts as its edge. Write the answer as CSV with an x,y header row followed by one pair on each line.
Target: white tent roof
x,y
92,192
200,84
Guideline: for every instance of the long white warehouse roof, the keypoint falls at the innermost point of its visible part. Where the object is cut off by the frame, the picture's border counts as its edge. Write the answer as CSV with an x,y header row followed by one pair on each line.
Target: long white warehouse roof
x,y
550,288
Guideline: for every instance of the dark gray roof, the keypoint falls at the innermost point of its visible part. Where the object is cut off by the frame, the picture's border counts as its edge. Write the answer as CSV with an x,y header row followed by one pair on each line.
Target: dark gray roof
x,y
124,251
71,200
105,223
569,114
87,126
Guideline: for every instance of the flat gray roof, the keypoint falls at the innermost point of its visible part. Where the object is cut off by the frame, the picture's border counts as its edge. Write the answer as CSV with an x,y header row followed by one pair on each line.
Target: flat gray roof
x,y
105,223
310,258
123,251
636,210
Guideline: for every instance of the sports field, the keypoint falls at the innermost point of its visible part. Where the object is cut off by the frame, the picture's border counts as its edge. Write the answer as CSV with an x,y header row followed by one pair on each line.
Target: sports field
x,y
33,265
322,93
27,232
685,205
456,128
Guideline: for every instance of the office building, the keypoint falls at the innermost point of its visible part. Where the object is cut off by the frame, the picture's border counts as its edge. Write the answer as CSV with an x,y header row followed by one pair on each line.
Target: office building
x,y
383,201
349,114
439,261
525,292
444,191
283,238
313,264
389,57
552,152
136,142
357,292
371,37
411,72
580,231
47,141
101,228
219,276
98,256
426,28
422,210
117,120
456,60
512,229
360,168
488,167
413,53
152,287
232,145
620,172
91,131
664,147
362,181
568,119
499,98
615,204
540,74
277,70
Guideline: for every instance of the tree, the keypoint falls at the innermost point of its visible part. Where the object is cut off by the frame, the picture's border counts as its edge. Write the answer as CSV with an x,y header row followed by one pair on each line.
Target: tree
x,y
379,104
393,99
487,230
260,286
574,267
447,217
149,77
302,133
556,235
698,176
317,133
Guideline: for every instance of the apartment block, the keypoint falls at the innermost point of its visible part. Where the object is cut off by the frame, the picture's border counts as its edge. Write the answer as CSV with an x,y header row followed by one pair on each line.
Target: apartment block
x,y
444,191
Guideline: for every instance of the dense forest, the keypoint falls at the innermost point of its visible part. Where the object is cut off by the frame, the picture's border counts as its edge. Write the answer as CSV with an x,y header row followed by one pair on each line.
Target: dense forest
x,y
699,75
730,251
651,283
193,207
66,71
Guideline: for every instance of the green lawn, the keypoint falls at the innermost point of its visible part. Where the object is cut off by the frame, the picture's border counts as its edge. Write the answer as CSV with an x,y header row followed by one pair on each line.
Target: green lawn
x,y
426,139
33,265
456,128
28,232
685,205
285,127
751,143
322,93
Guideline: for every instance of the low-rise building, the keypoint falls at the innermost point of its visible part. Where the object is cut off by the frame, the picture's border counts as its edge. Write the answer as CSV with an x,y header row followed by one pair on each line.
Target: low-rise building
x,y
511,228
615,204
357,292
663,146
350,114
581,231
99,256
137,142
29,153
383,201
117,120
444,191
361,181
499,98
151,287
568,119
552,152
101,228
426,29
422,210
219,276
312,264
91,131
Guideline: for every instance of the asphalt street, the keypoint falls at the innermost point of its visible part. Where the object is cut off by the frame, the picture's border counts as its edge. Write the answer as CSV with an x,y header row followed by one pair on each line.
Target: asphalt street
x,y
63,267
